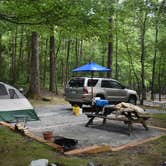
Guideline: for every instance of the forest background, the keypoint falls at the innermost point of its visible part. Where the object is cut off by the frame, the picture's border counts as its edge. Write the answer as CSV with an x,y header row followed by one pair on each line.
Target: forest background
x,y
41,41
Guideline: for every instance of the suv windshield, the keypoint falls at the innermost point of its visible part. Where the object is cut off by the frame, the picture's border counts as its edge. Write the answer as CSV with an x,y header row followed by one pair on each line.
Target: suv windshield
x,y
78,82
92,82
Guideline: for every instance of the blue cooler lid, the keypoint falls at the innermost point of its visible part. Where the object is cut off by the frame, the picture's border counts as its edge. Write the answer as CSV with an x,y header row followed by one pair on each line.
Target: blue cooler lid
x,y
101,102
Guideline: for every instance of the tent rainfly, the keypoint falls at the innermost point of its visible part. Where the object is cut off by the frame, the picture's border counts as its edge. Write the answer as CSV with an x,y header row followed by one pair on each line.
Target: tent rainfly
x,y
13,104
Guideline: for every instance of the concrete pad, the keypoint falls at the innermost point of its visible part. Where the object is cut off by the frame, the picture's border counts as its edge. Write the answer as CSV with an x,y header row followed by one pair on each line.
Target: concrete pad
x,y
60,120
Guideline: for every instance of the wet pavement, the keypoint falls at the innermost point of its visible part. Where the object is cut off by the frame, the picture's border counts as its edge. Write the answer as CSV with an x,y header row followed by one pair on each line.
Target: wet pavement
x,y
61,120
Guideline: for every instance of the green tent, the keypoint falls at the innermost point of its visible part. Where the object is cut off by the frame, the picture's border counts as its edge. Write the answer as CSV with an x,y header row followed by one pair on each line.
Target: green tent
x,y
14,106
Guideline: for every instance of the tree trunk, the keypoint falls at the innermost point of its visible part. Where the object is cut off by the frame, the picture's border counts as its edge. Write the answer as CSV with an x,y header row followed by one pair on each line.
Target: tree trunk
x,y
159,79
28,47
20,60
116,52
101,74
11,52
1,59
81,50
13,57
56,75
0,50
34,89
143,30
76,53
62,72
52,63
133,69
110,50
67,61
154,61
155,50
130,77
45,63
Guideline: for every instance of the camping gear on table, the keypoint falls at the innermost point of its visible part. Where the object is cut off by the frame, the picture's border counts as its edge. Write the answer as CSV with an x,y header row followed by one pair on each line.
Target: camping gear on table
x,y
14,106
125,112
101,103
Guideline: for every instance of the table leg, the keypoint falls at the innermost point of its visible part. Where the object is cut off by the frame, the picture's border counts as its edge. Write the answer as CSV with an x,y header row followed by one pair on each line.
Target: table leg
x,y
130,127
144,124
89,122
104,121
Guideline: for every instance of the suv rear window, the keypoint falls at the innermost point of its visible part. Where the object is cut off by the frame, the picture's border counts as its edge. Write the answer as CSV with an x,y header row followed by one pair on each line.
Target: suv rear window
x,y
92,82
76,82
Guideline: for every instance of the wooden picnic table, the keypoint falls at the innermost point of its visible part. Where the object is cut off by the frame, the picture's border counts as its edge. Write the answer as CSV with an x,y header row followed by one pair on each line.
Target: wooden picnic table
x,y
109,112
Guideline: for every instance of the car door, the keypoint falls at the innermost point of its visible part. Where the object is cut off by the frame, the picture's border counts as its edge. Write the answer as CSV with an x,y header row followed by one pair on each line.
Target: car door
x,y
117,92
114,91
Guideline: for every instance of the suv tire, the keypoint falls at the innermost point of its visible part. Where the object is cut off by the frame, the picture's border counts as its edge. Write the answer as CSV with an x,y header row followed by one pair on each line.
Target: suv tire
x,y
132,100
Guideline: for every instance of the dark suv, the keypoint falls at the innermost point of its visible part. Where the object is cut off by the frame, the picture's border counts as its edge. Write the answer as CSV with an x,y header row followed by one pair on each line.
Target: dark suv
x,y
80,90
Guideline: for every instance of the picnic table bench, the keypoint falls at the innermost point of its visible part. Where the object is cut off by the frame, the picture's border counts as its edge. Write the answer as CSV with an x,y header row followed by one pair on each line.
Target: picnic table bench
x,y
109,112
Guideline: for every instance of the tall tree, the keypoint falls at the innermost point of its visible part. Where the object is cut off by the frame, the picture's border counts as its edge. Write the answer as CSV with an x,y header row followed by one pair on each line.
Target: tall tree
x,y
143,22
157,11
20,57
45,63
34,89
67,60
76,52
0,49
110,49
52,62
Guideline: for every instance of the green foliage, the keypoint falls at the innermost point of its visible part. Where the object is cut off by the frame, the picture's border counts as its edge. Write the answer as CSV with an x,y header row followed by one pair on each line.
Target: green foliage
x,y
86,21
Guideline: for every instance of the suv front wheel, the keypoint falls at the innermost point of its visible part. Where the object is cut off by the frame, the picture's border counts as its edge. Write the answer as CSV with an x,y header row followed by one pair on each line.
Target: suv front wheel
x,y
132,100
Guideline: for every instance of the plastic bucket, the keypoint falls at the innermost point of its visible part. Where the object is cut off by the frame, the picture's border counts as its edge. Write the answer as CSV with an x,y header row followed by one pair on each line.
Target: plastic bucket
x,y
76,110
48,135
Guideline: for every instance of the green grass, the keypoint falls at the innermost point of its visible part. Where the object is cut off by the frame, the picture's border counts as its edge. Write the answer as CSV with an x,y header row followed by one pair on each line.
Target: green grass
x,y
152,107
53,100
17,150
158,120
159,116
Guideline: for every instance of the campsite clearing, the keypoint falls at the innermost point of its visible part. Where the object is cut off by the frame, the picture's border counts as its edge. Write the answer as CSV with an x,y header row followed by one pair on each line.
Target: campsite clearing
x,y
20,150
60,120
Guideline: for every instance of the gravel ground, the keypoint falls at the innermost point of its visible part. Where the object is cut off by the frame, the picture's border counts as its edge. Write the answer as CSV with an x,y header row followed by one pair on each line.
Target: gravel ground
x,y
152,111
60,120
156,103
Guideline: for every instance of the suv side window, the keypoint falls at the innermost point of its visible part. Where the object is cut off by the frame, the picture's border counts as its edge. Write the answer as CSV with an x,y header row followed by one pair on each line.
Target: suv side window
x,y
110,84
115,85
92,82
106,84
